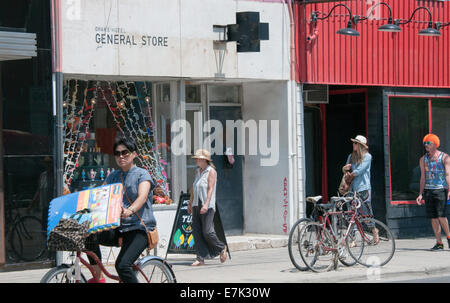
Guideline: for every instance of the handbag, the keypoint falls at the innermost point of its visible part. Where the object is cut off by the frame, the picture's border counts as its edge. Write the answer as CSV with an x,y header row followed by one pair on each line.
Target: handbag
x,y
152,235
346,183
69,234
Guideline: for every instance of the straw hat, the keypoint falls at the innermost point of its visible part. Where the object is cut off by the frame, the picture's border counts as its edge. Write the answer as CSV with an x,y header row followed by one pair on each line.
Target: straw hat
x,y
202,154
361,140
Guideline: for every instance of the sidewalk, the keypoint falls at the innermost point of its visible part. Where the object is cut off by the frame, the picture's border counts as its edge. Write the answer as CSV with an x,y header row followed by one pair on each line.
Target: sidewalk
x,y
265,259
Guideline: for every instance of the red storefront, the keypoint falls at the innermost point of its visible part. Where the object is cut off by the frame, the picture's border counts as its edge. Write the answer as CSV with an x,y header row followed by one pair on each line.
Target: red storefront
x,y
384,67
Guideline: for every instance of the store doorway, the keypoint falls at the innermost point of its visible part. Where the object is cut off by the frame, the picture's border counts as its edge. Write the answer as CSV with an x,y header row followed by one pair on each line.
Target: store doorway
x,y
345,118
229,191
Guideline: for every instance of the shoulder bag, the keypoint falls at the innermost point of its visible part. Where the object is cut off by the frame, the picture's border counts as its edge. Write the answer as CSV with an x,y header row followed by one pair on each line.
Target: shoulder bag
x,y
152,235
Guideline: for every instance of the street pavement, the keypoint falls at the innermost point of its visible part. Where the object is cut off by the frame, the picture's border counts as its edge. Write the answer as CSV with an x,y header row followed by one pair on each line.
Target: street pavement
x,y
265,259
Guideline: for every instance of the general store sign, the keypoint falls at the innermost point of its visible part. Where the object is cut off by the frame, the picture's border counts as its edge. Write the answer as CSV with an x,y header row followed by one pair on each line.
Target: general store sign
x,y
170,38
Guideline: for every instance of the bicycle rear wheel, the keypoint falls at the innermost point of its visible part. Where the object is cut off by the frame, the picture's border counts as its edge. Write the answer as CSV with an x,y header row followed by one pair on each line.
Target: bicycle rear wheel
x,y
294,244
154,271
27,238
317,247
375,253
62,274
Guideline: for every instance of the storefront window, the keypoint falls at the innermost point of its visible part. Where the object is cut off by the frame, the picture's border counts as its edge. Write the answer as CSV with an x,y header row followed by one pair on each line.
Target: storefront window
x,y
409,122
163,122
193,94
223,94
441,122
94,113
27,129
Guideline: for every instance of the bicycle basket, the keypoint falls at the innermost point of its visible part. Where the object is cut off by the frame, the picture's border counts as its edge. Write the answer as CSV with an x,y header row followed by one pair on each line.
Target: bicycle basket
x,y
68,235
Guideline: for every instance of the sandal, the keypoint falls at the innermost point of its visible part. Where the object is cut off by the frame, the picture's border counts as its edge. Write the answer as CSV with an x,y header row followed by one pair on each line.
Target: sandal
x,y
198,263
376,237
223,255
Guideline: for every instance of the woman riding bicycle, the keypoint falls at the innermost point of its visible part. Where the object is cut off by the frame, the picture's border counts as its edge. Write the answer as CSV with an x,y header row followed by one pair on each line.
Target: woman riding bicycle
x,y
131,234
358,167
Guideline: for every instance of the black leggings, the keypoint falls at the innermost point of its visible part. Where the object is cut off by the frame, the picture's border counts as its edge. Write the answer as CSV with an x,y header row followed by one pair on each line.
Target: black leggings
x,y
133,244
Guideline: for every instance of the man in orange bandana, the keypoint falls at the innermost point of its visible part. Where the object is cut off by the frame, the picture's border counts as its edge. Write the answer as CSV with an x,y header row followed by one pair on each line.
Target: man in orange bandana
x,y
434,181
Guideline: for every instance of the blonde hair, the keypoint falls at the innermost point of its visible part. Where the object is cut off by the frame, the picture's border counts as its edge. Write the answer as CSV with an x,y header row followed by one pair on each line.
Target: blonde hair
x,y
358,156
210,164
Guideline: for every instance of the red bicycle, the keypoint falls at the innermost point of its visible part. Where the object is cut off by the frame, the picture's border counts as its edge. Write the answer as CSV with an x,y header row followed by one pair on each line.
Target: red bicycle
x,y
367,240
148,269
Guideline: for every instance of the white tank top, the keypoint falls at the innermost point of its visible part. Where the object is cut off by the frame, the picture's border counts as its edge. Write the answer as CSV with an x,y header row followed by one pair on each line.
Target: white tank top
x,y
200,188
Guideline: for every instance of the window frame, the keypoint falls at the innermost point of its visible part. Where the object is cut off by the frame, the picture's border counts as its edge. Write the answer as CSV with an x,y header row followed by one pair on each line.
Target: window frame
x,y
389,96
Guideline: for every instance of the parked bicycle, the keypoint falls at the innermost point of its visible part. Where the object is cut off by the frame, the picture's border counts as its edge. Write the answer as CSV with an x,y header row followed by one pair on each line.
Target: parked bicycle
x,y
25,233
149,269
320,246
316,215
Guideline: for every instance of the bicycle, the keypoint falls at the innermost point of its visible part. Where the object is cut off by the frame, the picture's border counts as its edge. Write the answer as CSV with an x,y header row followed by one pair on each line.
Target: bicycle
x,y
316,216
26,235
149,269
320,250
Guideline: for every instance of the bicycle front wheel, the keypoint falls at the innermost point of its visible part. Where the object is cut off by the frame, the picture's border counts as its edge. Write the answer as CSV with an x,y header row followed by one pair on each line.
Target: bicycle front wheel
x,y
62,274
378,242
27,239
317,248
154,271
294,244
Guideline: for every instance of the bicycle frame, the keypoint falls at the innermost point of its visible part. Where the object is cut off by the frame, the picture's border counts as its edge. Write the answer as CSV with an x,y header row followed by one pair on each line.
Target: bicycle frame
x,y
354,219
136,266
91,267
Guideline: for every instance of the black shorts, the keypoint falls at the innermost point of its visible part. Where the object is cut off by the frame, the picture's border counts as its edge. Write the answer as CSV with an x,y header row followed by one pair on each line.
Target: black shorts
x,y
435,203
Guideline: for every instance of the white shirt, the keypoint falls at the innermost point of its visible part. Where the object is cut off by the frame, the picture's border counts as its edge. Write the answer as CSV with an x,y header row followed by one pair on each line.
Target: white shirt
x,y
200,188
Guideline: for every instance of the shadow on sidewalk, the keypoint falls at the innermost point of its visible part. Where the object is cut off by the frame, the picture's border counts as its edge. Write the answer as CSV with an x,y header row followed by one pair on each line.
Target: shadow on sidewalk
x,y
415,249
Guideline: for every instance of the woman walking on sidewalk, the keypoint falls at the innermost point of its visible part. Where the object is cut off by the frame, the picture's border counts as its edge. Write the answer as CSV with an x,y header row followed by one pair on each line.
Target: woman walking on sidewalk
x,y
202,206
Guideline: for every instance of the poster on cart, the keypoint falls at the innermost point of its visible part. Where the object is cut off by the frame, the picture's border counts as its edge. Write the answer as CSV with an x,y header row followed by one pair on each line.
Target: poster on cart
x,y
104,202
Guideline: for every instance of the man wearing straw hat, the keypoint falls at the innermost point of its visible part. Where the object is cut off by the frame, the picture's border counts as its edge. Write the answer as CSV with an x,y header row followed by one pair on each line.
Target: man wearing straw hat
x,y
202,206
434,180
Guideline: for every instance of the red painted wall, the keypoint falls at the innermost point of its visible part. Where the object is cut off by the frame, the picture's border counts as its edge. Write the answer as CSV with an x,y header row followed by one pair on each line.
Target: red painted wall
x,y
374,58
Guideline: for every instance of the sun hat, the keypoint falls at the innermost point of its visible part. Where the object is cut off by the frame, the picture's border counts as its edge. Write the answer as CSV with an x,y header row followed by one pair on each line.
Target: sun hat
x,y
202,154
361,140
432,138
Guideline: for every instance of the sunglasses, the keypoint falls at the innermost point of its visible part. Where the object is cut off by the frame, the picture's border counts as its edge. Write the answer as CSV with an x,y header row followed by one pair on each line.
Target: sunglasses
x,y
122,153
427,143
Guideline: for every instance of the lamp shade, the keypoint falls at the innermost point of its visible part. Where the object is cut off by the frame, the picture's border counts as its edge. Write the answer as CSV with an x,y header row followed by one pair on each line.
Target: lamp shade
x,y
430,32
348,31
389,27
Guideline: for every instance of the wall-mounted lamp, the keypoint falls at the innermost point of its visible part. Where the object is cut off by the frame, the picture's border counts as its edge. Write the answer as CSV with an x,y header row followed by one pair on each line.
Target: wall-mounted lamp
x,y
430,30
348,31
390,27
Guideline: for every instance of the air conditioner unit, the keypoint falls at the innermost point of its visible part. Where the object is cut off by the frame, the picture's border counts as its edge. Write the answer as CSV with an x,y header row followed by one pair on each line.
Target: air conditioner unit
x,y
315,93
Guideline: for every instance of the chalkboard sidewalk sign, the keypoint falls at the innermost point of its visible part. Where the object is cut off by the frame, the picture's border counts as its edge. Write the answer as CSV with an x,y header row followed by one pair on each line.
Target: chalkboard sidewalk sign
x,y
181,239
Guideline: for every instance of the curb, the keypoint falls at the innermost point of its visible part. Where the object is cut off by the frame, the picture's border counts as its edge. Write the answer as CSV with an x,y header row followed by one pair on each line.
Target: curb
x,y
242,243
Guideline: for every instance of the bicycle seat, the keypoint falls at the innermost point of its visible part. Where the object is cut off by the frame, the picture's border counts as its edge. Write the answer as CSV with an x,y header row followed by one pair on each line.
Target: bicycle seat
x,y
313,200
